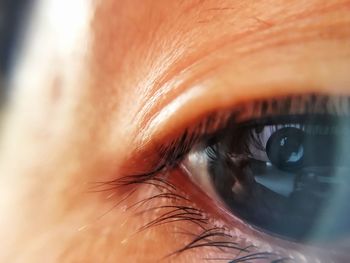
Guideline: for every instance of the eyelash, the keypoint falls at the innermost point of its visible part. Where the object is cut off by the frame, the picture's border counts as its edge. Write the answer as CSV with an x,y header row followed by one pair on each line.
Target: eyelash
x,y
262,112
211,237
171,154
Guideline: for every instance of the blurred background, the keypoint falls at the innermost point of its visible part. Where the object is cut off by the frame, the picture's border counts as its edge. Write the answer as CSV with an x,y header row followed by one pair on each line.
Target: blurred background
x,y
13,17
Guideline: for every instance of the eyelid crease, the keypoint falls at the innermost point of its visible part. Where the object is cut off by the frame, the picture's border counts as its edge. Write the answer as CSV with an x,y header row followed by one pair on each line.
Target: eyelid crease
x,y
202,100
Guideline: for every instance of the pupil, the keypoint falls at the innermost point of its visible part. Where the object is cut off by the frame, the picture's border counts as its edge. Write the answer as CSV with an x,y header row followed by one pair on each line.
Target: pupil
x,y
285,148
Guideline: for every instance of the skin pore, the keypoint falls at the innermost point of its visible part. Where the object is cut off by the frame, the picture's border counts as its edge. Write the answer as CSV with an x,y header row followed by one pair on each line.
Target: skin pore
x,y
133,75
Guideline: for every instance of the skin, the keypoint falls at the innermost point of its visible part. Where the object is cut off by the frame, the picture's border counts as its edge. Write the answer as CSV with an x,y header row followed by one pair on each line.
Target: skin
x,y
90,106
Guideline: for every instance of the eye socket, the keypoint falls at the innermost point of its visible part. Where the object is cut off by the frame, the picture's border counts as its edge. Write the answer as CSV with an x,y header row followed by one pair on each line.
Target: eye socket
x,y
289,178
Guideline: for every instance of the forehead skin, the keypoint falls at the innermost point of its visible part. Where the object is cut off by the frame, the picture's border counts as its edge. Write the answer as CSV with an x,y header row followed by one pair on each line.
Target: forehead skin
x,y
77,117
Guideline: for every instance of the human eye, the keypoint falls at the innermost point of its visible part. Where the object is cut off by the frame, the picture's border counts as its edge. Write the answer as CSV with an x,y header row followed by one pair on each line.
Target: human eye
x,y
262,181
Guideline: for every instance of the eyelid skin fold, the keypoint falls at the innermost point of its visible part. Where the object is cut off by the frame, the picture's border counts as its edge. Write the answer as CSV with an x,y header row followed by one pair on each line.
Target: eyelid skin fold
x,y
232,84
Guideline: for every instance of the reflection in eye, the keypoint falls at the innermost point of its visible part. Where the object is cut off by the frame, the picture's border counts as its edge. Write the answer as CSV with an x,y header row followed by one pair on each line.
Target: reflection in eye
x,y
287,174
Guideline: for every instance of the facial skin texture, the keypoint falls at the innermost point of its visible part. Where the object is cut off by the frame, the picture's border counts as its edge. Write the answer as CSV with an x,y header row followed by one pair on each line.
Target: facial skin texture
x,y
89,108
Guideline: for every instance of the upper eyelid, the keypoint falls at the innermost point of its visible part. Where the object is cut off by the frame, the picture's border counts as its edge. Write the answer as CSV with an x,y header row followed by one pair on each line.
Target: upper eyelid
x,y
200,100
269,112
168,149
171,123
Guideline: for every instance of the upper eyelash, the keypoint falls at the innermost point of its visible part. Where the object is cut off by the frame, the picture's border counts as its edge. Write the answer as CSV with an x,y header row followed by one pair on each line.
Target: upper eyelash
x,y
171,153
261,112
297,104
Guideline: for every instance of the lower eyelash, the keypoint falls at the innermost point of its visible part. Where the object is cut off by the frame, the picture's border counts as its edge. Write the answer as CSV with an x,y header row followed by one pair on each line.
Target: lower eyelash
x,y
179,209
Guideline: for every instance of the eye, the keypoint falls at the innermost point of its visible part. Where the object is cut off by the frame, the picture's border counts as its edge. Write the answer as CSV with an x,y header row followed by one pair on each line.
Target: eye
x,y
285,174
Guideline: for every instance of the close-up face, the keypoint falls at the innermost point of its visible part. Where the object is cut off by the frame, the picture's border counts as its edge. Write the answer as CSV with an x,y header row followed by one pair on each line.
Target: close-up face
x,y
176,131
